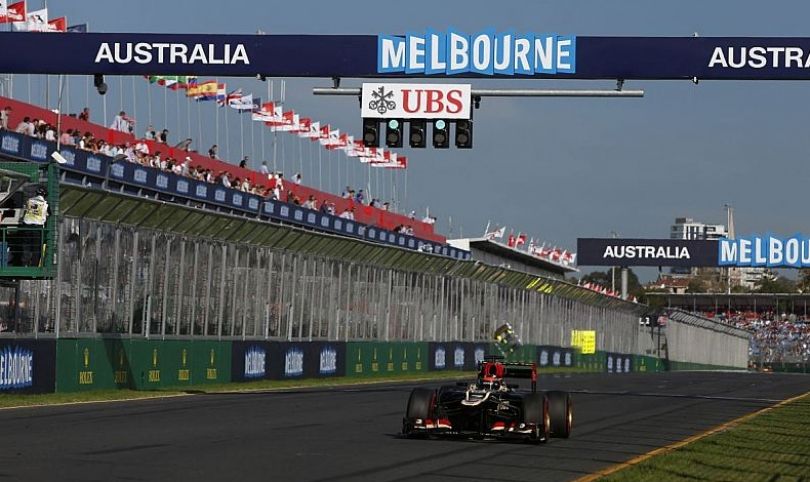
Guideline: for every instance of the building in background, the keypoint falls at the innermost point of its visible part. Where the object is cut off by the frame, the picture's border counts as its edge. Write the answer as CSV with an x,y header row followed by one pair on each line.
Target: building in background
x,y
690,229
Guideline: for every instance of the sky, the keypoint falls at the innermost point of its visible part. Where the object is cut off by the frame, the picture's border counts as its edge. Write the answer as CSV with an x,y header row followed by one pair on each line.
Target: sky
x,y
556,169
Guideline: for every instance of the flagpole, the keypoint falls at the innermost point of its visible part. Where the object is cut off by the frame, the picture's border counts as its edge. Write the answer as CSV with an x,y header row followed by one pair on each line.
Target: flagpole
x,y
252,142
134,105
320,169
188,114
227,136
199,129
216,79
242,136
165,109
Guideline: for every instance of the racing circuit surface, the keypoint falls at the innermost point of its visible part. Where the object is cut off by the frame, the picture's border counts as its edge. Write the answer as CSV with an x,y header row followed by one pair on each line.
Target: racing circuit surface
x,y
352,433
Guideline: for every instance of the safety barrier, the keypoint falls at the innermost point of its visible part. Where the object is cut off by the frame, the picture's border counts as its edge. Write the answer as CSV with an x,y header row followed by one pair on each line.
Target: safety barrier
x,y
264,360
82,364
27,365
110,363
102,172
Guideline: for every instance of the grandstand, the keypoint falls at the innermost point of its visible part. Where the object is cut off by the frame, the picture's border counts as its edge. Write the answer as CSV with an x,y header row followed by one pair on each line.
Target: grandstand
x,y
777,322
364,214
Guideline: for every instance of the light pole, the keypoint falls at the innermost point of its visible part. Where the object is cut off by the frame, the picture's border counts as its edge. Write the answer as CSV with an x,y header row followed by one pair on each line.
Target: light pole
x,y
614,235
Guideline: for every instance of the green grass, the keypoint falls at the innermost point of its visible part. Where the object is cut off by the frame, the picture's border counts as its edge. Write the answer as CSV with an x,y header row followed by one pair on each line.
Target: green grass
x,y
21,400
771,446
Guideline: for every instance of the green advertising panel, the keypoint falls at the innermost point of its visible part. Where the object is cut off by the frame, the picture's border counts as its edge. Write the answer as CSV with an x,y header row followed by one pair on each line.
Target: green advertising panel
x,y
377,359
96,364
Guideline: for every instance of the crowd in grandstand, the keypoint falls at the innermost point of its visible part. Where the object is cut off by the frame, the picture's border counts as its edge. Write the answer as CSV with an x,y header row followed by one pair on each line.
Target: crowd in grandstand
x,y
140,153
775,337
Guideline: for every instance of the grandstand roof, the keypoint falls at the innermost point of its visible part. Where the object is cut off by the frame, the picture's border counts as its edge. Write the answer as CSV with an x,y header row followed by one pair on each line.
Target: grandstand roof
x,y
794,302
497,254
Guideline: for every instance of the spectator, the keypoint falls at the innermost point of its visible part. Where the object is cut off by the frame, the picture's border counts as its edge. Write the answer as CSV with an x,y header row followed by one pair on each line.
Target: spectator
x,y
225,181
5,115
212,152
84,115
360,197
26,127
121,123
163,137
264,170
184,145
66,139
412,215
429,220
142,147
386,206
347,213
150,134
186,167
50,133
311,203
244,163
297,178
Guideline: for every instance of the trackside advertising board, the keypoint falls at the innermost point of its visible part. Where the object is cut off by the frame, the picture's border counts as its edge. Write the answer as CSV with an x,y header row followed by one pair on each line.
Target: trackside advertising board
x,y
501,52
416,101
646,252
745,251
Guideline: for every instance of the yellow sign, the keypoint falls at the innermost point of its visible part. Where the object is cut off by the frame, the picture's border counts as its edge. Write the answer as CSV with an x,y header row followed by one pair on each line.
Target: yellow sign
x,y
585,340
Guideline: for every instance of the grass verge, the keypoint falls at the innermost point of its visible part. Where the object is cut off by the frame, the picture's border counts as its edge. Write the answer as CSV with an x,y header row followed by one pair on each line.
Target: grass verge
x,y
28,400
771,445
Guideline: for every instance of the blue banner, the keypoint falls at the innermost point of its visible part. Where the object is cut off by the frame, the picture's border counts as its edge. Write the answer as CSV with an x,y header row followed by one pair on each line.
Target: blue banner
x,y
487,53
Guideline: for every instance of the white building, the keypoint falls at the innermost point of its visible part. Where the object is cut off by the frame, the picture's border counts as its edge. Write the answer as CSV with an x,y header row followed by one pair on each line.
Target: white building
x,y
688,228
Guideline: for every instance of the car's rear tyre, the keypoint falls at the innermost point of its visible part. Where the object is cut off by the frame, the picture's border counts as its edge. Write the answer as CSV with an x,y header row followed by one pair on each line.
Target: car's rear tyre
x,y
536,413
561,412
420,406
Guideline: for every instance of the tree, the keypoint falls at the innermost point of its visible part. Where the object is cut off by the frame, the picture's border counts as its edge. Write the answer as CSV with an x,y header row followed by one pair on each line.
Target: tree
x,y
634,287
770,282
803,284
697,285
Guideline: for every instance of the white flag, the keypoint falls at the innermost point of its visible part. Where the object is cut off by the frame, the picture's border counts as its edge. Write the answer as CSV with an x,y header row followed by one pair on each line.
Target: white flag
x,y
3,11
244,102
36,21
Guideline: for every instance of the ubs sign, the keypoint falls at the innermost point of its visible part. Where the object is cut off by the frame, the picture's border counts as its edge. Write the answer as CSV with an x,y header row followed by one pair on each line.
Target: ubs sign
x,y
416,101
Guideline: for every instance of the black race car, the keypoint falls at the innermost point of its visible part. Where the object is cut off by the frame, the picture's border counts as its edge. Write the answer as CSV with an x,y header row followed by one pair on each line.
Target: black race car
x,y
490,408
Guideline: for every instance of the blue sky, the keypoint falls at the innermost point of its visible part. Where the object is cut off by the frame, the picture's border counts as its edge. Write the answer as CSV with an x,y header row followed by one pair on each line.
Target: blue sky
x,y
555,169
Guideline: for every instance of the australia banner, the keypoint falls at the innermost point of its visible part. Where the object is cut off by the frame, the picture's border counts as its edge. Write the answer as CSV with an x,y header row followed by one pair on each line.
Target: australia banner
x,y
646,252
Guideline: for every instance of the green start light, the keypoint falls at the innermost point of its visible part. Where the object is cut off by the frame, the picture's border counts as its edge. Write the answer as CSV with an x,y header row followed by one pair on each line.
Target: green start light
x,y
393,124
440,124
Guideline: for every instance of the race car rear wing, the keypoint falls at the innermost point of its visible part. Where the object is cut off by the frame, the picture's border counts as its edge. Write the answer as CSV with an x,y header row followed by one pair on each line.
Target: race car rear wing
x,y
492,365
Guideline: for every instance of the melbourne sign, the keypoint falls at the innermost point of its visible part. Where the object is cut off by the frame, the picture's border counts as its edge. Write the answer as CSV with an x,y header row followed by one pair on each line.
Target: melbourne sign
x,y
646,252
768,251
429,53
416,101
487,52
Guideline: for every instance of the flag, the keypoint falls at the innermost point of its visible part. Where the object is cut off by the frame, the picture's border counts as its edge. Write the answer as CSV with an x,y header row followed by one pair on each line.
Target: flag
x,y
58,25
208,90
302,130
289,120
265,113
241,103
12,13
223,98
80,28
511,241
36,21
497,234
521,240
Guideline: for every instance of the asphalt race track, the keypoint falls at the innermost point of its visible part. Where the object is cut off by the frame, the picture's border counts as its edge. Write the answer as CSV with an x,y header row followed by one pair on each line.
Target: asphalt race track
x,y
352,433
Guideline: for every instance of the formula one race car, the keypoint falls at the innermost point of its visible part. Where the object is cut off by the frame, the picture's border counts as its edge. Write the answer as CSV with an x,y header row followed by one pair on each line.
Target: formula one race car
x,y
490,408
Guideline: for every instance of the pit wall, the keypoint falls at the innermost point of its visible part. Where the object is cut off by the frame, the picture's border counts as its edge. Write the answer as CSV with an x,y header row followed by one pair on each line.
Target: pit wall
x,y
71,365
